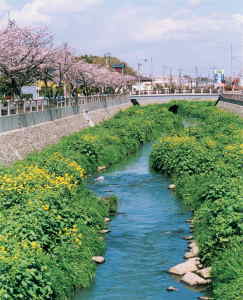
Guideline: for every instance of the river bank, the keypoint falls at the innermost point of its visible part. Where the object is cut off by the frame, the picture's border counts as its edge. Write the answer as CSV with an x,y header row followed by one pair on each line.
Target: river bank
x,y
206,165
50,222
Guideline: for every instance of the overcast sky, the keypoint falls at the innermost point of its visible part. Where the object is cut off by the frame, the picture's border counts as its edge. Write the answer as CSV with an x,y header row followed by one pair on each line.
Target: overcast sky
x,y
178,34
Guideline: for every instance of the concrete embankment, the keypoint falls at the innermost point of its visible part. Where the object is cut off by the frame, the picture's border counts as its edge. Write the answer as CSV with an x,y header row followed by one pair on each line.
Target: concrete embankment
x,y
16,144
231,107
232,103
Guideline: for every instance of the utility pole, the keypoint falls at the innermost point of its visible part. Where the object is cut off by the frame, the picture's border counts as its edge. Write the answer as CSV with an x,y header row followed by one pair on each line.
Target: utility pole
x,y
139,77
171,77
231,61
107,59
196,76
179,76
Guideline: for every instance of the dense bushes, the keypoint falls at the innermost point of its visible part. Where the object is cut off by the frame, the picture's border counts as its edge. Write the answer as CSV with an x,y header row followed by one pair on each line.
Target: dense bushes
x,y
49,221
206,162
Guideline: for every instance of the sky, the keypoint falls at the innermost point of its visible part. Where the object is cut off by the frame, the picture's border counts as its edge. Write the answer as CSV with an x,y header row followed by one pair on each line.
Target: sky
x,y
187,36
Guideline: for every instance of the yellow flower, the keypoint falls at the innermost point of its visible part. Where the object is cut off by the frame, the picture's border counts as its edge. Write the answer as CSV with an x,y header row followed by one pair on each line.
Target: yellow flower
x,y
230,147
35,245
45,207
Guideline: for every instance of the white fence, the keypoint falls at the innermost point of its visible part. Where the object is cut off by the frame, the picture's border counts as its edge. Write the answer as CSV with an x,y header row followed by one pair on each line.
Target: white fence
x,y
201,91
20,114
17,107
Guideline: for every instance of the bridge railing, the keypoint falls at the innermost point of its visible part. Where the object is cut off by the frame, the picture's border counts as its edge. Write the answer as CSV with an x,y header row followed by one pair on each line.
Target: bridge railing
x,y
16,107
176,91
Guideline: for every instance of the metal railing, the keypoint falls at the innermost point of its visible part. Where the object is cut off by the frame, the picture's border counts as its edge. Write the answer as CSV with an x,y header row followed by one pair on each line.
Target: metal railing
x,y
16,107
165,91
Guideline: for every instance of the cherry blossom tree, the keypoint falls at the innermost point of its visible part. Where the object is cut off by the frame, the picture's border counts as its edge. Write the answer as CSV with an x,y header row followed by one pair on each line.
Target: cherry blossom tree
x,y
23,53
27,55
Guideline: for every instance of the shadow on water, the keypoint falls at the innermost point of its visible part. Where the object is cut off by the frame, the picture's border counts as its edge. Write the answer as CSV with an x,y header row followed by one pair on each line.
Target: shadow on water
x,y
145,239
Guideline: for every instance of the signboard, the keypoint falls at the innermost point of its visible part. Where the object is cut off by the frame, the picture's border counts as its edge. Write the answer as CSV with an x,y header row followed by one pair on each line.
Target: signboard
x,y
30,90
119,67
219,76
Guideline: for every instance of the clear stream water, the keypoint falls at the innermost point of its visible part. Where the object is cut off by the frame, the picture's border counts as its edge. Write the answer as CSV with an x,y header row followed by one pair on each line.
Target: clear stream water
x,y
145,239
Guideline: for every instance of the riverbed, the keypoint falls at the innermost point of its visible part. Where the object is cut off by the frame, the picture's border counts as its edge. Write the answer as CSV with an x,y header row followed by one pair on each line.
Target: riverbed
x,y
145,238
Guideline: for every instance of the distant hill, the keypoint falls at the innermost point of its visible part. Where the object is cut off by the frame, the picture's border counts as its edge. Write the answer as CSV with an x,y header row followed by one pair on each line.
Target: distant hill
x,y
108,61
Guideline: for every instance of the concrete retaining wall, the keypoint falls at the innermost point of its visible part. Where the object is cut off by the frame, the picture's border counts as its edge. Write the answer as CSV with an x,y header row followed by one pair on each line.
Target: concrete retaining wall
x,y
232,103
16,121
16,144
234,108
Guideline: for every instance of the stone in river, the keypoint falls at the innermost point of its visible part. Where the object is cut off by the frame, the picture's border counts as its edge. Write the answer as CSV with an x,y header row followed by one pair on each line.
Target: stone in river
x,y
101,168
205,273
189,254
171,289
194,248
189,221
107,220
172,187
100,178
105,231
193,279
98,259
188,266
188,237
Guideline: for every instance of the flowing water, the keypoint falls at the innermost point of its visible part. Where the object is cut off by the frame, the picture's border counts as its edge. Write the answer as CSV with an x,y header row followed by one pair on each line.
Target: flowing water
x,y
145,239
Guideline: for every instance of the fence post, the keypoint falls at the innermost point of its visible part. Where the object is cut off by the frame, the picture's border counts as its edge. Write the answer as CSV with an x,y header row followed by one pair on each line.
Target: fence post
x,y
42,104
8,113
17,107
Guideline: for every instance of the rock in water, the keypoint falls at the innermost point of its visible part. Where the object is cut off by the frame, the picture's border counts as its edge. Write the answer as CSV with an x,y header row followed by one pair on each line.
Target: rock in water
x,y
100,178
189,254
101,168
194,248
187,238
189,266
171,289
172,187
98,259
104,231
205,273
193,279
107,220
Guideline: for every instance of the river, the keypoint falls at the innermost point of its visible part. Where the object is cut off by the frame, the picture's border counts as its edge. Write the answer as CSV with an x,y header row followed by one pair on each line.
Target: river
x,y
145,238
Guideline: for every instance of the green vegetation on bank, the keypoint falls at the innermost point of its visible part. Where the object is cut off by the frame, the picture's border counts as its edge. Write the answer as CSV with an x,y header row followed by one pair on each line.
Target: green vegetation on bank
x,y
49,221
206,163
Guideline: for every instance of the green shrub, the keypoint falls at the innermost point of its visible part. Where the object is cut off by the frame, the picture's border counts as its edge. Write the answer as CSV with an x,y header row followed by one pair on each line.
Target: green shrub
x,y
206,162
49,222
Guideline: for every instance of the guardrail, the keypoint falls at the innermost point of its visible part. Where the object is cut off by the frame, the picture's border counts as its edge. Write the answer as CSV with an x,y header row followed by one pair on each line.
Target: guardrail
x,y
168,92
20,114
17,107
